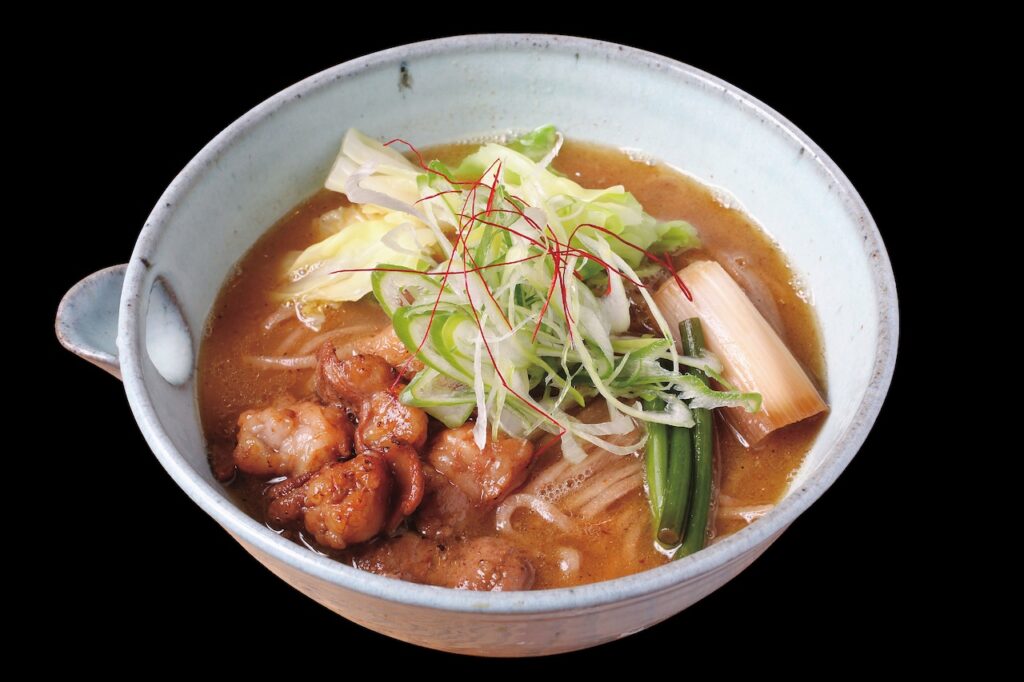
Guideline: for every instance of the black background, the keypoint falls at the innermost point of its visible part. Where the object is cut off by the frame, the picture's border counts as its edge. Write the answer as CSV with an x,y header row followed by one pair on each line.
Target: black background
x,y
153,571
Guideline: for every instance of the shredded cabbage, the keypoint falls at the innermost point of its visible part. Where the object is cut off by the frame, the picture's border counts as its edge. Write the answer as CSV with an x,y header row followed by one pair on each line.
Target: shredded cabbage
x,y
339,267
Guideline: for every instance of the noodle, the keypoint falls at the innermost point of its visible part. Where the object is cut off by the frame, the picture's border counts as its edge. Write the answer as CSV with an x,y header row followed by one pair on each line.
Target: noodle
x,y
546,510
277,317
633,532
598,484
290,340
748,514
318,340
607,496
277,362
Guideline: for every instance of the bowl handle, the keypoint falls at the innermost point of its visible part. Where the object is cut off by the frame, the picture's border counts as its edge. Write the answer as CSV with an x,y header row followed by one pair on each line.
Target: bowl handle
x,y
87,318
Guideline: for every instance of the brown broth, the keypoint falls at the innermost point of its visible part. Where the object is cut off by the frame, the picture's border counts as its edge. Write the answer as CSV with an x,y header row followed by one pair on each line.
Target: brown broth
x,y
229,384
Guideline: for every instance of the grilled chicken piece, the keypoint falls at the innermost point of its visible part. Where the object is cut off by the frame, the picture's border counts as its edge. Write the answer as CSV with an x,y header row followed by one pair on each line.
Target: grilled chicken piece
x,y
291,439
485,476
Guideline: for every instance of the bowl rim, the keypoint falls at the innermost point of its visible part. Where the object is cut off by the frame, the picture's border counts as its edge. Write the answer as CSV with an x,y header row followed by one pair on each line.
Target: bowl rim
x,y
212,499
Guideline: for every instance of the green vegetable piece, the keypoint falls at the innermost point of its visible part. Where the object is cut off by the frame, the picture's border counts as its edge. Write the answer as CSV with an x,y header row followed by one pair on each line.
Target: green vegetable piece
x,y
537,143
677,489
657,461
703,451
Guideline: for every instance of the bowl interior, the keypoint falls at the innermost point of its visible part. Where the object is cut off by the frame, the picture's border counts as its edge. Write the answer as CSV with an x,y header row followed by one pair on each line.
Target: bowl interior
x,y
280,152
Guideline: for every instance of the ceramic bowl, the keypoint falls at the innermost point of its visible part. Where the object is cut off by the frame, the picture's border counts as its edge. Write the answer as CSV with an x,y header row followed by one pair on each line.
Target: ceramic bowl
x,y
442,91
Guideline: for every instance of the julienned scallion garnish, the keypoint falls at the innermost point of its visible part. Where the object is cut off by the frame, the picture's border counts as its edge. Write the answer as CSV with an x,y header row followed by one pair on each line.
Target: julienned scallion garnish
x,y
510,283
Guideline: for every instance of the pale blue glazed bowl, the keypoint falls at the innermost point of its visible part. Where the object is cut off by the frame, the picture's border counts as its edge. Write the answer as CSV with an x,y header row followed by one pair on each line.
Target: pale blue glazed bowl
x,y
277,154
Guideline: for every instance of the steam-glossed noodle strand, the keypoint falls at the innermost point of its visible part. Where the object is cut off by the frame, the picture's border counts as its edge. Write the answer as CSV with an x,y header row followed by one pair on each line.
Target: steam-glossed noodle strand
x,y
607,477
546,510
287,345
280,362
633,533
609,496
334,335
275,318
748,514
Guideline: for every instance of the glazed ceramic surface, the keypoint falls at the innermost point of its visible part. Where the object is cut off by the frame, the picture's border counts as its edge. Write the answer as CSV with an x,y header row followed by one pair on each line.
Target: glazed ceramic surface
x,y
280,152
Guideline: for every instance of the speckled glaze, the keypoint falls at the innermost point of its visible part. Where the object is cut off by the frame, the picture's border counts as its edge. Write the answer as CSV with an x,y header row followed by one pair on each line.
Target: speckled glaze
x,y
444,91
88,314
